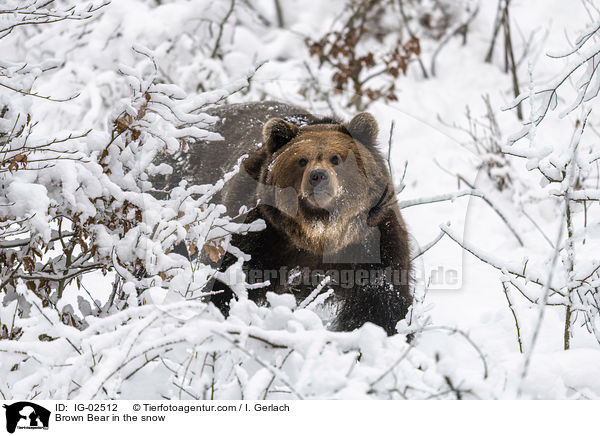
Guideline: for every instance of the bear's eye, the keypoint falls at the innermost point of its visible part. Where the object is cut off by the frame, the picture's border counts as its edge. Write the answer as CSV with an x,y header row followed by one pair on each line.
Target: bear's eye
x,y
335,159
303,162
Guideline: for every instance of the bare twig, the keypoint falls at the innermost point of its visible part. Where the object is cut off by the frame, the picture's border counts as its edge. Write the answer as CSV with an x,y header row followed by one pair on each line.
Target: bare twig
x,y
459,29
497,25
389,156
542,308
512,309
221,28
490,261
273,378
280,20
412,36
391,368
429,245
511,58
451,197
455,330
276,372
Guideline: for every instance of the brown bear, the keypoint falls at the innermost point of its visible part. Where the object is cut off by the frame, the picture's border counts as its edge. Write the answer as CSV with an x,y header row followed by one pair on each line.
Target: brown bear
x,y
328,203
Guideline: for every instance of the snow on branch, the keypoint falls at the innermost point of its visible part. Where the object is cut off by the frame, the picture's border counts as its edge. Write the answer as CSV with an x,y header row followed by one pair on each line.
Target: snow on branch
x,y
90,202
190,352
582,60
17,13
520,269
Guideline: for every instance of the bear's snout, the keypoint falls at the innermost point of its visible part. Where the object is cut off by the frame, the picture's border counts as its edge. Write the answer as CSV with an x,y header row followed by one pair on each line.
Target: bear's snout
x,y
318,178
319,187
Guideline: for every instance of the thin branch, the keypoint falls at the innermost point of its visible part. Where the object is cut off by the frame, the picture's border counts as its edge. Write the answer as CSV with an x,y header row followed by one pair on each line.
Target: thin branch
x,y
265,365
457,30
412,36
273,377
542,307
389,156
512,309
451,197
33,94
428,246
454,330
394,365
497,25
489,260
221,27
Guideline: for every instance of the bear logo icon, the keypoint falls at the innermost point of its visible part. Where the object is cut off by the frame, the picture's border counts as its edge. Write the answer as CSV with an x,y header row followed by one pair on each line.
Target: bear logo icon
x,y
24,414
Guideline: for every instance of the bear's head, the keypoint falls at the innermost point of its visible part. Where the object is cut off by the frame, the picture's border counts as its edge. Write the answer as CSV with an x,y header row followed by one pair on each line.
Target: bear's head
x,y
321,182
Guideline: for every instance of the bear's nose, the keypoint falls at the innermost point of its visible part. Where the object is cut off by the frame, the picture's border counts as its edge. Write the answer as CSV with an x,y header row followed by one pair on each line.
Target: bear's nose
x,y
318,177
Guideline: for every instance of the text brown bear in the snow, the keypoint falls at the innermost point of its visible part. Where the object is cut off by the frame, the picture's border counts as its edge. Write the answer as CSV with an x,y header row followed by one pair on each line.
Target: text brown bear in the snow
x,y
327,198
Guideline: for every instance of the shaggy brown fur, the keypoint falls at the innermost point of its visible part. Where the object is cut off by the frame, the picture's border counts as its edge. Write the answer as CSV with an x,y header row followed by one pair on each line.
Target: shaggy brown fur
x,y
327,198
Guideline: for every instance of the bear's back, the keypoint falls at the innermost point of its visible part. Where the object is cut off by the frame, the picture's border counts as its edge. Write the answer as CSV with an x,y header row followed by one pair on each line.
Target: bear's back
x,y
240,125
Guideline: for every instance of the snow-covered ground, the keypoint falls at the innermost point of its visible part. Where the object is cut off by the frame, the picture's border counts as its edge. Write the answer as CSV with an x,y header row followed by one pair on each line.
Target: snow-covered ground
x,y
467,344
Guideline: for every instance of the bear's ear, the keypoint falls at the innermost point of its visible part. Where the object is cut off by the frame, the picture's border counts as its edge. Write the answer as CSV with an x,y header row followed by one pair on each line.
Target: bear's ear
x,y
277,133
363,128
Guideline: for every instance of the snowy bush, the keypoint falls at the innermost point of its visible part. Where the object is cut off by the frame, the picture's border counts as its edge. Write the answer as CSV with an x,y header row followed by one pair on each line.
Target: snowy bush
x,y
568,175
565,274
190,352
81,202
